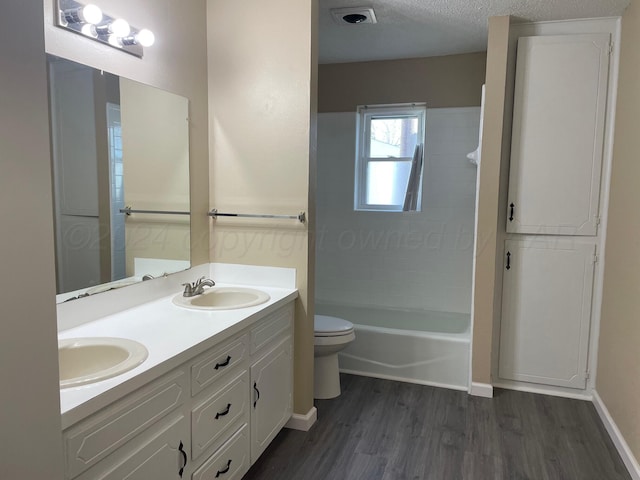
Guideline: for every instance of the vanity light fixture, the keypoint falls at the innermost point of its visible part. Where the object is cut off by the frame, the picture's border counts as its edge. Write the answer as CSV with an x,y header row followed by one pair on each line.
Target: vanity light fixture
x,y
89,21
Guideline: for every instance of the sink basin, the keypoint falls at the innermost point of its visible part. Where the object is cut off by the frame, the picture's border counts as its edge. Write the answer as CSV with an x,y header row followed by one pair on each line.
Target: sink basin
x,y
223,298
88,360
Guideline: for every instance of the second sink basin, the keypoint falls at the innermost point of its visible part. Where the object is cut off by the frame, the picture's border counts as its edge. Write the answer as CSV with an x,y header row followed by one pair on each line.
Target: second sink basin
x,y
88,360
223,298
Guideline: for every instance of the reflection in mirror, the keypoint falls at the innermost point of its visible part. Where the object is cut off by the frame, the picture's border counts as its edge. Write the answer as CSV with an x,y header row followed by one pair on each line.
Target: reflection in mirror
x,y
116,143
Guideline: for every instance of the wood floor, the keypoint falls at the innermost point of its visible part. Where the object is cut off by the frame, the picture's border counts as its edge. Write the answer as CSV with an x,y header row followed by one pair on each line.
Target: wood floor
x,y
384,430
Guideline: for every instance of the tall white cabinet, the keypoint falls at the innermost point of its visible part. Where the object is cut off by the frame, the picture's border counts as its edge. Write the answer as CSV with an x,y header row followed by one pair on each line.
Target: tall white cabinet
x,y
553,208
558,134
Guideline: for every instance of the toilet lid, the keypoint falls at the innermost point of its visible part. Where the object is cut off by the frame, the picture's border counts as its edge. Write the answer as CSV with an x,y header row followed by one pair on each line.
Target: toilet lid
x,y
325,326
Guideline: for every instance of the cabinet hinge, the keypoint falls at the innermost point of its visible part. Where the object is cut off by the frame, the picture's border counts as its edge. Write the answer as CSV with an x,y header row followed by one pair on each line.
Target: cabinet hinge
x,y
597,220
595,258
587,375
610,48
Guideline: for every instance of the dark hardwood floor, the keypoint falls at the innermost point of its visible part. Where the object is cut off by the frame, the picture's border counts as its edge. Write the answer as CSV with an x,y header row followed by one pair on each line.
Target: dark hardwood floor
x,y
384,430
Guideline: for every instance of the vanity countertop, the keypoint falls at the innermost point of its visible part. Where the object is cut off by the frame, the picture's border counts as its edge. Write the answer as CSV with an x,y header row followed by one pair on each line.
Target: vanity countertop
x,y
171,334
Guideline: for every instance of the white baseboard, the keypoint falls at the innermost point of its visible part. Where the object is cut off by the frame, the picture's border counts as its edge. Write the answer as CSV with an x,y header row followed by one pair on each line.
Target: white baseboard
x,y
303,422
481,390
625,452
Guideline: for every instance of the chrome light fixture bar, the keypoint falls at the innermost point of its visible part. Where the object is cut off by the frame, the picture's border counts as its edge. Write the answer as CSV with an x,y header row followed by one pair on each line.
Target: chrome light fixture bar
x,y
90,21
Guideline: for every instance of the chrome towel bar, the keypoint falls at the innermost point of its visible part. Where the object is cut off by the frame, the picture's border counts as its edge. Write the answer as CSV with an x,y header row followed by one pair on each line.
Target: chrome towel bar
x,y
129,211
301,217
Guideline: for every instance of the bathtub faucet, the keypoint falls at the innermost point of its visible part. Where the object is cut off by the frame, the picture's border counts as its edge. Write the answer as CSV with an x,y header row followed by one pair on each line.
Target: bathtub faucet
x,y
197,287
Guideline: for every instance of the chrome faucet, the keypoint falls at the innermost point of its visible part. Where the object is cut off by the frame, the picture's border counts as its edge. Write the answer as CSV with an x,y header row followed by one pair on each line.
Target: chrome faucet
x,y
197,287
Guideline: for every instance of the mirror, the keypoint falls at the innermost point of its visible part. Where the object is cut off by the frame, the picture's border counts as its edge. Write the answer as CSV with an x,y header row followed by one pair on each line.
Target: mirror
x,y
116,145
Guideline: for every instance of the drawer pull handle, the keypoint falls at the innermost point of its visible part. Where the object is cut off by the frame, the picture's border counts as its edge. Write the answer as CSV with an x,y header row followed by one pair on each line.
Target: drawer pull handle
x,y
184,459
223,364
225,470
222,414
255,387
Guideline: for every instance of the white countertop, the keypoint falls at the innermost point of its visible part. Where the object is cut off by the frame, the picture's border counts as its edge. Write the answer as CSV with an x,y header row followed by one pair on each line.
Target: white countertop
x,y
171,334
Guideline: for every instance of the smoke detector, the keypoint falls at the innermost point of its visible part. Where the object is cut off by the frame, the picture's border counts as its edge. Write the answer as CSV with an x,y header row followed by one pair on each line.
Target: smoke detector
x,y
353,15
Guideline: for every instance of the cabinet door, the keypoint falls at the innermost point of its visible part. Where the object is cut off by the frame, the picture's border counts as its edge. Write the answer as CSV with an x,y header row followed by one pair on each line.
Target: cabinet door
x,y
272,404
546,312
558,134
156,454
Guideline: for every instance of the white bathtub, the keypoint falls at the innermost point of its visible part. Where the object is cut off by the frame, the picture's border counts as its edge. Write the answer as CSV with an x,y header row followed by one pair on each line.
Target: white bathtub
x,y
425,347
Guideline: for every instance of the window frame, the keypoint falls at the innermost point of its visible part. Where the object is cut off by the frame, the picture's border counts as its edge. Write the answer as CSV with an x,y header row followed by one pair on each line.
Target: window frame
x,y
365,114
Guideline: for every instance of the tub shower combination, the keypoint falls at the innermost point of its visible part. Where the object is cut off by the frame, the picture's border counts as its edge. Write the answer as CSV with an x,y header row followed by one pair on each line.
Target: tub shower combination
x,y
399,292
425,347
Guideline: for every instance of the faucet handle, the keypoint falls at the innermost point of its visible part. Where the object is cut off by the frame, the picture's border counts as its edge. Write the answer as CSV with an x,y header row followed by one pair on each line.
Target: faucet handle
x,y
198,282
188,289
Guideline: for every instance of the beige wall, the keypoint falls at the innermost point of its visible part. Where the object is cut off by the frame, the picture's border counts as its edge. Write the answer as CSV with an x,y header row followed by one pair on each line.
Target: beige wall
x,y
261,101
448,81
487,230
618,381
30,430
155,148
176,63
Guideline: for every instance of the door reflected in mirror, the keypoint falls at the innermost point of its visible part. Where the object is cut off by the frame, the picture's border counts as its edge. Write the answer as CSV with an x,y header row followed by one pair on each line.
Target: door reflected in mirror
x,y
116,144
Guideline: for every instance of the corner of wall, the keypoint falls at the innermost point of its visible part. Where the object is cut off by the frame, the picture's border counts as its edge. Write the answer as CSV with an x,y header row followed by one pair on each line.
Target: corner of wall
x,y
488,198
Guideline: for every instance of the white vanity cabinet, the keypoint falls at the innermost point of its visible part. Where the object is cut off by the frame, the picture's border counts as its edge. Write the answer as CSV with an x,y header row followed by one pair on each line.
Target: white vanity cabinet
x,y
210,418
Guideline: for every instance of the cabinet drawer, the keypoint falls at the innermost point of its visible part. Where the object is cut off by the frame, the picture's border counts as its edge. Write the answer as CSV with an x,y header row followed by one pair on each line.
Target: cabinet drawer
x,y
93,439
155,454
231,462
210,421
271,328
217,363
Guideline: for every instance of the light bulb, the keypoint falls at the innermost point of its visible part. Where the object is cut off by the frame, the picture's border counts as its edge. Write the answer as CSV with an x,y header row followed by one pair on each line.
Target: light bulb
x,y
87,14
89,30
115,41
120,28
90,14
145,37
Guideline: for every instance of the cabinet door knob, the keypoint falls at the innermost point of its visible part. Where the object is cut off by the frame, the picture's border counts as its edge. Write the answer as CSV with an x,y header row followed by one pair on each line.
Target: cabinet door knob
x,y
222,414
225,470
184,459
223,364
255,387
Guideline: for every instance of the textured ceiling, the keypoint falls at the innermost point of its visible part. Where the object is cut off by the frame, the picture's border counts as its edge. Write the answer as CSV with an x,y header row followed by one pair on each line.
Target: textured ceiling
x,y
425,28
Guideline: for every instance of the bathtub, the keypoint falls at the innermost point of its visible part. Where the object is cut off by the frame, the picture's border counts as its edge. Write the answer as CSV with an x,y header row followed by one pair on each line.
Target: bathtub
x,y
425,347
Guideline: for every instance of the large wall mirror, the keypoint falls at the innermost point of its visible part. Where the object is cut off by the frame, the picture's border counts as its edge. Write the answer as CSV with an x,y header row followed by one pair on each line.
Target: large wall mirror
x,y
116,145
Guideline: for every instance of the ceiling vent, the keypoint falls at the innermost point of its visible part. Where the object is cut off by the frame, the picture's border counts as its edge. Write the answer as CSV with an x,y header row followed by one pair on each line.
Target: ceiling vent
x,y
353,15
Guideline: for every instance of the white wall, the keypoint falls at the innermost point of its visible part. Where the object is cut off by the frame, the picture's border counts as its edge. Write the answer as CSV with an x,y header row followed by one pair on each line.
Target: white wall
x,y
415,260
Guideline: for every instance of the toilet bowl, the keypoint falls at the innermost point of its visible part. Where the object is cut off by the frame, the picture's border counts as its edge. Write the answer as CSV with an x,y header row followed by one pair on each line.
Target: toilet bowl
x,y
332,334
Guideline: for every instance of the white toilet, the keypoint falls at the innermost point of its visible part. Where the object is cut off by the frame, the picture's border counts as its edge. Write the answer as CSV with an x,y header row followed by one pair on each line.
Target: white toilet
x,y
332,334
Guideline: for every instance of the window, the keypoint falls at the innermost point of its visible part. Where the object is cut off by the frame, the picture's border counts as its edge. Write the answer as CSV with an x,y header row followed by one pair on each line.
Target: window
x,y
389,157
